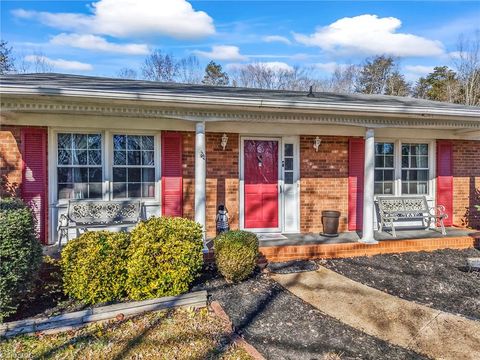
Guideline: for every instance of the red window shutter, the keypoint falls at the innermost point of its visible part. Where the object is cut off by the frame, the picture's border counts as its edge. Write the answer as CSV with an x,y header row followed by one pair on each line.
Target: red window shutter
x,y
34,177
172,182
445,178
356,159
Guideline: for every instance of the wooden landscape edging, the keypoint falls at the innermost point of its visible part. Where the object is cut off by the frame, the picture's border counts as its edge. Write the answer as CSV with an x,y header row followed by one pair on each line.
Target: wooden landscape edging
x,y
82,318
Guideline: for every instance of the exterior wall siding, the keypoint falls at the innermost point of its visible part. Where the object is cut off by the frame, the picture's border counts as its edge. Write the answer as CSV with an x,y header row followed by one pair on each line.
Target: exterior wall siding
x,y
222,179
466,183
323,181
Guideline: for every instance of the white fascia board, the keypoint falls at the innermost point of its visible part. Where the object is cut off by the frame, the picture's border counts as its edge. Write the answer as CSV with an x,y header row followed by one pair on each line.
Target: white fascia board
x,y
252,103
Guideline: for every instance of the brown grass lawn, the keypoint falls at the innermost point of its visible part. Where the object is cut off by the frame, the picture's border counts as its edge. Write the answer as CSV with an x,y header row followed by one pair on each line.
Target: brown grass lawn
x,y
175,334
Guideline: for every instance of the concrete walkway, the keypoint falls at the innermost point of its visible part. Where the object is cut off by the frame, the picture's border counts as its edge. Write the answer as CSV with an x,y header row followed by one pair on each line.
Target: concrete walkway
x,y
427,331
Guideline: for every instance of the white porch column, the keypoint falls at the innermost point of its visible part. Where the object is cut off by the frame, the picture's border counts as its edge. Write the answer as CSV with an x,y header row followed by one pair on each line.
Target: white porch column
x,y
200,177
368,188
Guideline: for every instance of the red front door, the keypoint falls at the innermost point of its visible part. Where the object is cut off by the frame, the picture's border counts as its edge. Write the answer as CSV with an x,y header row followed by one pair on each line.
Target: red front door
x,y
261,183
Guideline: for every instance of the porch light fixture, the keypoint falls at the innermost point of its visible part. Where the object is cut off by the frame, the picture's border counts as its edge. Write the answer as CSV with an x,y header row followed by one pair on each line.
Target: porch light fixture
x,y
316,143
224,141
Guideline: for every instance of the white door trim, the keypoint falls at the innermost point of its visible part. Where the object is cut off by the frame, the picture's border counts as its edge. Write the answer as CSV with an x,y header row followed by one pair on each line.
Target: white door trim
x,y
242,184
293,209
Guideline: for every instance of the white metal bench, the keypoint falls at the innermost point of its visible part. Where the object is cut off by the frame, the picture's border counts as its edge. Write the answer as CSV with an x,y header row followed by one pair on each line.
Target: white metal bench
x,y
84,214
392,208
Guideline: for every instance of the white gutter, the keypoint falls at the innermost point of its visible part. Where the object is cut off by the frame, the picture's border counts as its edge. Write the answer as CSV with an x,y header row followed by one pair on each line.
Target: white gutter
x,y
180,98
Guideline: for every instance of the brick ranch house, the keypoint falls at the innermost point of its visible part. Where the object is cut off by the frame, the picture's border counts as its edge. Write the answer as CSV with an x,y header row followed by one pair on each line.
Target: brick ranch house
x,y
276,159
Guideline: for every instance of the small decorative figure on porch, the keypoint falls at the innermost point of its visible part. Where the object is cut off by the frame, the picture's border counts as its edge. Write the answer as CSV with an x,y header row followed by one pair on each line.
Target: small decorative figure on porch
x,y
222,219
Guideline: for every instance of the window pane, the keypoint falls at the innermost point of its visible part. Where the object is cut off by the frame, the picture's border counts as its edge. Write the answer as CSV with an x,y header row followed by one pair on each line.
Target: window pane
x,y
379,148
134,190
147,142
423,161
388,148
95,191
119,174
119,190
119,142
289,164
388,175
94,141
64,141
64,157
64,175
94,157
148,175
422,188
147,158
80,191
422,175
378,188
388,188
65,191
378,175
423,149
412,188
79,141
133,158
288,177
148,190
133,142
133,175
379,161
79,157
405,188
80,175
119,158
95,174
288,149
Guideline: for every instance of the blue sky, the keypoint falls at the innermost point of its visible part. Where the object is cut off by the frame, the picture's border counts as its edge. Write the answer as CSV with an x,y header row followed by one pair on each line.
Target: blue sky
x,y
100,37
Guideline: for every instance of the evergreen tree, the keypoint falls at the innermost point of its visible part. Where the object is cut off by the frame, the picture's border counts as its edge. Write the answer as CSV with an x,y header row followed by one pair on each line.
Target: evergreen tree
x,y
6,59
214,75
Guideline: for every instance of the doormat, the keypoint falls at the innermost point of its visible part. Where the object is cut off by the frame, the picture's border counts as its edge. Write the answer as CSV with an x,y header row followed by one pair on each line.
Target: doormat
x,y
271,236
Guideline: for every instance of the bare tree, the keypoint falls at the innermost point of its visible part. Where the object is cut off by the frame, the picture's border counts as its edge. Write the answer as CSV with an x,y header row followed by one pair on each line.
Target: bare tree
x,y
374,75
343,79
397,85
467,64
40,62
189,70
127,73
160,67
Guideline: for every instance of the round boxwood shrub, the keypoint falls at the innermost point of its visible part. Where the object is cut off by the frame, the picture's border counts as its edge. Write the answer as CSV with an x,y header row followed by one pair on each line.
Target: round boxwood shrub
x,y
20,254
165,256
236,254
94,266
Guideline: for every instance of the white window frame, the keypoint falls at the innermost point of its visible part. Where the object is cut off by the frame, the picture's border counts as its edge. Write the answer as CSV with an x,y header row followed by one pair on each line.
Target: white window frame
x,y
157,157
398,165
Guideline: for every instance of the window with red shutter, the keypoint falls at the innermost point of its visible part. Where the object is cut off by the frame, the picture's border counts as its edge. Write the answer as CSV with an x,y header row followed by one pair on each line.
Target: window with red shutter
x,y
172,181
34,179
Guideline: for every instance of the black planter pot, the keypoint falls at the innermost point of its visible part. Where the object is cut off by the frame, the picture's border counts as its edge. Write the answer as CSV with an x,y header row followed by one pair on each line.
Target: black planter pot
x,y
330,220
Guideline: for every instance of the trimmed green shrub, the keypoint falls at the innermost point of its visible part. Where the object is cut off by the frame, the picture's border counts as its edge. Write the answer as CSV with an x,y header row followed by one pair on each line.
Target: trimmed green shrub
x,y
236,254
94,266
20,254
165,256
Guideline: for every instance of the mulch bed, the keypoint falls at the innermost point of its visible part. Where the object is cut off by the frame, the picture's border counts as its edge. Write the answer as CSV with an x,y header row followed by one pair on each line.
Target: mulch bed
x,y
439,279
282,326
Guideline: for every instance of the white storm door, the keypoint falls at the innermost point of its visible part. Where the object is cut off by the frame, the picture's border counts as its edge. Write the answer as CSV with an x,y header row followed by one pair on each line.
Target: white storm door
x,y
291,184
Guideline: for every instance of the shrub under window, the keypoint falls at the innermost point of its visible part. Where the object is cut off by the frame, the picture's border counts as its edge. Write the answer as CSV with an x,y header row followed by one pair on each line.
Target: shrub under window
x,y
94,266
20,254
165,256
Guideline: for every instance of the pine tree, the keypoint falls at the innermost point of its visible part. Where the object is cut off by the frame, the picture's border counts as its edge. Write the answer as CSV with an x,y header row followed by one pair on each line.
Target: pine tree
x,y
214,75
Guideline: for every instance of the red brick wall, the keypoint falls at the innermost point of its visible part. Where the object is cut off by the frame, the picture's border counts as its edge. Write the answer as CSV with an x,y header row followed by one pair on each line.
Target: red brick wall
x,y
188,164
323,181
466,183
10,158
222,179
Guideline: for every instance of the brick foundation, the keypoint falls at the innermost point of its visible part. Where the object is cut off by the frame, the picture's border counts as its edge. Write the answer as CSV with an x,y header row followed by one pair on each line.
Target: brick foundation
x,y
466,183
323,181
331,251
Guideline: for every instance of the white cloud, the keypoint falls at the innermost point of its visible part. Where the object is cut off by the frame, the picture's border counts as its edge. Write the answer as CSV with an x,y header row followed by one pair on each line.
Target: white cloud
x,y
276,38
119,18
273,65
222,53
60,63
370,35
329,67
419,69
94,42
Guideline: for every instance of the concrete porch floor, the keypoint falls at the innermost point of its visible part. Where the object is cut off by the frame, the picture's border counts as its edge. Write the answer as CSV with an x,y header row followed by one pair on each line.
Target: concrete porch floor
x,y
353,237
